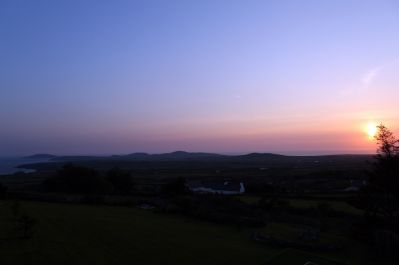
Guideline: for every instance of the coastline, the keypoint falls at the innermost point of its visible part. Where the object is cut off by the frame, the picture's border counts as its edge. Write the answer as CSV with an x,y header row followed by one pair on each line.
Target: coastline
x,y
11,165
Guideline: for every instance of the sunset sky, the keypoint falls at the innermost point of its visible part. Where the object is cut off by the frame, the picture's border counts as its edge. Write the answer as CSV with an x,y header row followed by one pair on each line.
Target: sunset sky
x,y
115,77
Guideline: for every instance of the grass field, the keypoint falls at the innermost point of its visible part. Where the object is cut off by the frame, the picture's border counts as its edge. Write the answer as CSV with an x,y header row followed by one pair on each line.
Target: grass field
x,y
290,256
352,252
337,205
76,234
84,234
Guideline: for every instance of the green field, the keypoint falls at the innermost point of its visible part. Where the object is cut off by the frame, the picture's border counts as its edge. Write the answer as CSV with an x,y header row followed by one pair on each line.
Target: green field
x,y
337,205
84,234
290,256
76,234
341,206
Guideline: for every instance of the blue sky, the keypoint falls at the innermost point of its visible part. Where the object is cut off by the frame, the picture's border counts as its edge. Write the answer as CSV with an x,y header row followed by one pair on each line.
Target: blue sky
x,y
223,76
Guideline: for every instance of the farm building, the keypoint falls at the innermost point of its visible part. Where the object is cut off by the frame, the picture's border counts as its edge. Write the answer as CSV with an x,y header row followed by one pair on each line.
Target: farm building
x,y
224,187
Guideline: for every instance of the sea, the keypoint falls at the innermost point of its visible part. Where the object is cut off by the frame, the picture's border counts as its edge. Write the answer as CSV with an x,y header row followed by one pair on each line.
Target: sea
x,y
8,165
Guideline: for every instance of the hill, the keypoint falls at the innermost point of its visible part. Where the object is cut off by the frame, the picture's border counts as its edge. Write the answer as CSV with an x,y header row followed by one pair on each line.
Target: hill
x,y
41,156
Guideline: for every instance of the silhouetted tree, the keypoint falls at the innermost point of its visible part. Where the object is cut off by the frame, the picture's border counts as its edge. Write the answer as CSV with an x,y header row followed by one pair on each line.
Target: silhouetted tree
x,y
25,226
259,188
388,145
175,187
380,199
381,195
121,180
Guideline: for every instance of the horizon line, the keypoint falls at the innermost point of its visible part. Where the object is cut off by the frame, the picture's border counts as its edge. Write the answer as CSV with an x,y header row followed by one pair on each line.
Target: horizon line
x,y
289,153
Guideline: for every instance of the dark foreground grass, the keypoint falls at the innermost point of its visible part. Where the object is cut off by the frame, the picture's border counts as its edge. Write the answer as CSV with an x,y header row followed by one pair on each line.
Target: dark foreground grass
x,y
338,205
290,256
78,234
85,234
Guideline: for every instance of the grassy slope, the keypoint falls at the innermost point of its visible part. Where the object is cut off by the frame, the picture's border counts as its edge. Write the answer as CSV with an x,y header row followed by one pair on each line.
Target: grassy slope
x,y
76,234
336,205
308,203
353,252
79,234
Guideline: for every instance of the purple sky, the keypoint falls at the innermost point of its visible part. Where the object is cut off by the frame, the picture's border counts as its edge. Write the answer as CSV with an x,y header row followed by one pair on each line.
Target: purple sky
x,y
101,77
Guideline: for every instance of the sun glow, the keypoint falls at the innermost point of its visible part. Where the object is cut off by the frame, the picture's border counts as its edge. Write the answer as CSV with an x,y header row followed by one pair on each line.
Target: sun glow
x,y
371,130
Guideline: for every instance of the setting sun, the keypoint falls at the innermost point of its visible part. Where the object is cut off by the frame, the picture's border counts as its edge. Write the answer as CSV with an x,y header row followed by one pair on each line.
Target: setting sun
x,y
371,130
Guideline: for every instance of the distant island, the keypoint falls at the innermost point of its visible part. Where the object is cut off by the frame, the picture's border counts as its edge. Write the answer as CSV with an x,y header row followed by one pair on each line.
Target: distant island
x,y
41,156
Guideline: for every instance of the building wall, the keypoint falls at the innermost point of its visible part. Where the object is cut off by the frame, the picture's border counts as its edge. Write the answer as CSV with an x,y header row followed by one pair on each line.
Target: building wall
x,y
224,192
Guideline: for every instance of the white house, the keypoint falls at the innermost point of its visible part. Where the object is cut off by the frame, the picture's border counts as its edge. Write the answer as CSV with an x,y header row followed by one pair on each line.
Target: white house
x,y
216,187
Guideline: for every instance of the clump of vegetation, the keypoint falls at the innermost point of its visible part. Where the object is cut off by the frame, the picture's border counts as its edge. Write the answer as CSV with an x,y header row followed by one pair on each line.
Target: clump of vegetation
x,y
121,181
77,179
175,187
87,181
260,188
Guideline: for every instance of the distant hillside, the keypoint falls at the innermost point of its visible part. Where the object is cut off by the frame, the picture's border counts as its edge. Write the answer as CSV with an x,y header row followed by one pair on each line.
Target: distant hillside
x,y
261,155
41,156
182,155
185,162
193,156
77,158
177,155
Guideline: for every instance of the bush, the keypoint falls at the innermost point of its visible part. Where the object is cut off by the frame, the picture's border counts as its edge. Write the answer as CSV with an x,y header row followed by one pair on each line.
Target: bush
x,y
259,188
175,187
121,181
77,179
25,226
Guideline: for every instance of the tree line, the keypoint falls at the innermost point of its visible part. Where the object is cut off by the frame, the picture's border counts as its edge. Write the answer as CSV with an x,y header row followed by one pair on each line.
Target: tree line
x,y
77,179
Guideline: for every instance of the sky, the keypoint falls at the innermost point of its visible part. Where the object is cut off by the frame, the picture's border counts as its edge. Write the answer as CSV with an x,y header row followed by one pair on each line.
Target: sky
x,y
116,77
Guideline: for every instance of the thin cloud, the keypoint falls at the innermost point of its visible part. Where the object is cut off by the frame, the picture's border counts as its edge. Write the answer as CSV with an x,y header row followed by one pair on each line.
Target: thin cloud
x,y
371,75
